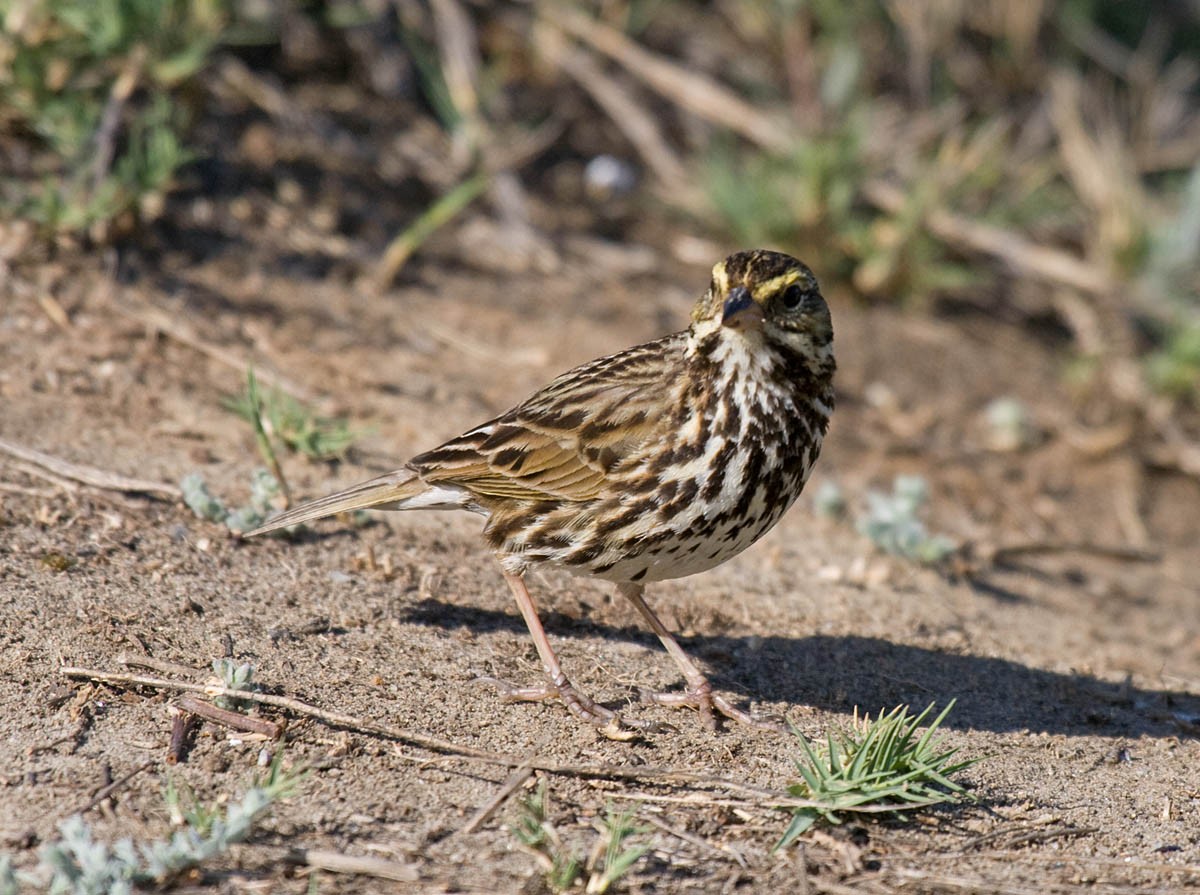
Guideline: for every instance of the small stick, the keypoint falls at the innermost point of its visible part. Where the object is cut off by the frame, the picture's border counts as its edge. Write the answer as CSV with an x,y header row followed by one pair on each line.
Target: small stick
x,y
113,787
1111,551
336,862
1023,834
88,475
140,660
183,726
229,718
13,488
104,142
511,785
1047,835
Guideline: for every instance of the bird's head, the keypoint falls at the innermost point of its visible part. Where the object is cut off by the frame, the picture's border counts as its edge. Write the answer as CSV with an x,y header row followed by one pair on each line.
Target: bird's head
x,y
767,297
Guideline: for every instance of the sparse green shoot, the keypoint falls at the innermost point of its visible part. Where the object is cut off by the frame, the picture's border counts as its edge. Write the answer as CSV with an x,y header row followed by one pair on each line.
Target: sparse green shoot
x,y
277,415
610,858
99,86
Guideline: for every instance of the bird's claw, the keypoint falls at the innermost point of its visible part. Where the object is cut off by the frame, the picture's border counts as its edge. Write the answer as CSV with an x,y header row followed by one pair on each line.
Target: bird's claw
x,y
608,723
709,705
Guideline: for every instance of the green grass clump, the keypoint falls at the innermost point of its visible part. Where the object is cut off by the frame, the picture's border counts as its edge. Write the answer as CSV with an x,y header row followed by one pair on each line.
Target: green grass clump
x,y
607,862
879,765
97,86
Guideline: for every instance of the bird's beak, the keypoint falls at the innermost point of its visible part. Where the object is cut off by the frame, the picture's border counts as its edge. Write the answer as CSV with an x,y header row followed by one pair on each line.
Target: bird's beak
x,y
741,310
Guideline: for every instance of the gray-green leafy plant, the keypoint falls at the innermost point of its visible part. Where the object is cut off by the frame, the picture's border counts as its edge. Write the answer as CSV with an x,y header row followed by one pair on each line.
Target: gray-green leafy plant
x,y
264,488
76,864
234,676
891,522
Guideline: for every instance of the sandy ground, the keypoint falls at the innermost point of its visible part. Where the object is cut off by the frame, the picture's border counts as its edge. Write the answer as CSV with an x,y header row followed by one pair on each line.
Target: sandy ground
x,y
1077,671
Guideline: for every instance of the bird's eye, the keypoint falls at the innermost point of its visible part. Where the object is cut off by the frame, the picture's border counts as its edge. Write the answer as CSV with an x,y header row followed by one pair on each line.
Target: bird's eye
x,y
792,297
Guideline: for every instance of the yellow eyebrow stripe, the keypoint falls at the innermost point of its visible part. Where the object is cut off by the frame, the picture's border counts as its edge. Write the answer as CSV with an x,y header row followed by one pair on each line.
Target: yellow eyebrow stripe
x,y
769,287
720,278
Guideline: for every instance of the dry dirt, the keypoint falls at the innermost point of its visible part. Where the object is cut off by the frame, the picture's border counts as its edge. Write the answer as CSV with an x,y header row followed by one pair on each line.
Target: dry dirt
x,y
1077,673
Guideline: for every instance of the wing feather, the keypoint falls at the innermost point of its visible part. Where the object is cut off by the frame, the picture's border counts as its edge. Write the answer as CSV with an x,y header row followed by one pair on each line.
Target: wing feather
x,y
563,441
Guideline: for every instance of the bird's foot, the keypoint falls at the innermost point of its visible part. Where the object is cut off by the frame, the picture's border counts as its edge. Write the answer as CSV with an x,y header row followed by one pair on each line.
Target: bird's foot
x,y
605,720
701,698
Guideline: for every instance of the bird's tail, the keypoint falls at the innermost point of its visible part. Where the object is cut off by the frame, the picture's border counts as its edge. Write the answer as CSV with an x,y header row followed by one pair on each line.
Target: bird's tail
x,y
394,491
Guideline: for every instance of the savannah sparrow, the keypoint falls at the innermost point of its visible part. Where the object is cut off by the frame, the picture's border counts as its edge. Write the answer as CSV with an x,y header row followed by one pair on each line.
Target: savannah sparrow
x,y
661,461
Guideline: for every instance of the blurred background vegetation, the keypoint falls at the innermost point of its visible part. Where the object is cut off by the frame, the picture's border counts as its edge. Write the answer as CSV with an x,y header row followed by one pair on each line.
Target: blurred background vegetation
x,y
1033,159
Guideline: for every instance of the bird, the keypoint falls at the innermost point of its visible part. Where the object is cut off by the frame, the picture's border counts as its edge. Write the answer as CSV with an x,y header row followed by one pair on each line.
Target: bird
x,y
658,462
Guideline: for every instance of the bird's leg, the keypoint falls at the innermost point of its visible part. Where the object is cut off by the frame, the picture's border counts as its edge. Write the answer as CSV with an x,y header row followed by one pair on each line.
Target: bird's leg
x,y
559,687
699,694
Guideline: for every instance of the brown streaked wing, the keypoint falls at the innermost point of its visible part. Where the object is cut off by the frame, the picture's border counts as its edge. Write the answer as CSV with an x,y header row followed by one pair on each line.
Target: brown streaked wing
x,y
562,442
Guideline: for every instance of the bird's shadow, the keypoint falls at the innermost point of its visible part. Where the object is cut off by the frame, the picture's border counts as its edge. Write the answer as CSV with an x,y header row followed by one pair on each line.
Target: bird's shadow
x,y
838,674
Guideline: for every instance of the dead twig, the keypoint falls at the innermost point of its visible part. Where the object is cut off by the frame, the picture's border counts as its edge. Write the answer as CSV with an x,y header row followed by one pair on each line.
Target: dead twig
x,y
229,718
108,790
336,862
1039,261
1038,548
936,881
139,660
105,140
89,475
514,782
46,475
1075,858
1024,834
13,488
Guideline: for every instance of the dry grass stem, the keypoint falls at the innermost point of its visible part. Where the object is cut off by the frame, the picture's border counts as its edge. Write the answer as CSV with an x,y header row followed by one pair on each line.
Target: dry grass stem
x,y
361,865
111,788
638,125
514,782
89,475
159,320
692,90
